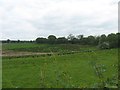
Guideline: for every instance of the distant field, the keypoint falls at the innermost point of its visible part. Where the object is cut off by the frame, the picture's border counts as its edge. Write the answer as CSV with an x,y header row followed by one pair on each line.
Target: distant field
x,y
97,68
33,47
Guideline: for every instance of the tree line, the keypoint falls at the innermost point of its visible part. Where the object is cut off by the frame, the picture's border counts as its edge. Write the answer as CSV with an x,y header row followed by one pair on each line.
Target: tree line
x,y
16,41
103,41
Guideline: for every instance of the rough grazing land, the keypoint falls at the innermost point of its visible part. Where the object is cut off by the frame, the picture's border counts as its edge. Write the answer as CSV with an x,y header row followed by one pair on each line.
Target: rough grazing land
x,y
88,68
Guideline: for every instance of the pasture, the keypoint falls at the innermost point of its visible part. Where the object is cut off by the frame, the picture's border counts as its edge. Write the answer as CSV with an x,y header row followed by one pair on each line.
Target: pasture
x,y
68,66
33,47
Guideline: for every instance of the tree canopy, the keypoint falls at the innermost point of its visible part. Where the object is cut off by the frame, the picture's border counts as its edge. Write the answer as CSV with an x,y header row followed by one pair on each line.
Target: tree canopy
x,y
104,41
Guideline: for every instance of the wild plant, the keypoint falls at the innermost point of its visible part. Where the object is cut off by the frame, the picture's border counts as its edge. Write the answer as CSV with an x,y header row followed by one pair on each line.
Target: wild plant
x,y
43,76
99,71
62,76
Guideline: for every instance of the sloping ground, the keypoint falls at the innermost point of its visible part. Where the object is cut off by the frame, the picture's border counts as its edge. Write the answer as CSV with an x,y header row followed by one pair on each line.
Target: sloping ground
x,y
67,71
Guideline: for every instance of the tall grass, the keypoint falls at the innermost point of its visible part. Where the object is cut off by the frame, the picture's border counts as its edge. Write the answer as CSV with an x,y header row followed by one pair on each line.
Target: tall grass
x,y
77,70
99,71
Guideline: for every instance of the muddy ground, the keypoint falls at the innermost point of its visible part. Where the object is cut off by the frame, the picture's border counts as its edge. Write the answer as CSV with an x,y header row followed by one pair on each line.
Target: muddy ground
x,y
13,53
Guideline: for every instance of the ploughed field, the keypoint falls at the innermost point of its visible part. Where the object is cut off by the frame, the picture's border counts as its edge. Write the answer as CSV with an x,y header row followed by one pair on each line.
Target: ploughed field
x,y
29,65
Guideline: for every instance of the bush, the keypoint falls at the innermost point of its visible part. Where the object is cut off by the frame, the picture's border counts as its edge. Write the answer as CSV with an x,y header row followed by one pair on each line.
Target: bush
x,y
104,45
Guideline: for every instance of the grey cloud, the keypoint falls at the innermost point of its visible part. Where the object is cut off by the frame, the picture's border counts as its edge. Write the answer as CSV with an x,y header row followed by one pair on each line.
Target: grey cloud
x,y
40,18
73,25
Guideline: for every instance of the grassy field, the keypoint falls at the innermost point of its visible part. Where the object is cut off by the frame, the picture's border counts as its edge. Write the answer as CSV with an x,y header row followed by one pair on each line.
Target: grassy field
x,y
33,47
89,68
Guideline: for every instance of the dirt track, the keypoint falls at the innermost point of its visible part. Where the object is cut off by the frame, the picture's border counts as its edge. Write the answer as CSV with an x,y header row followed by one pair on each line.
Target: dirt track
x,y
13,53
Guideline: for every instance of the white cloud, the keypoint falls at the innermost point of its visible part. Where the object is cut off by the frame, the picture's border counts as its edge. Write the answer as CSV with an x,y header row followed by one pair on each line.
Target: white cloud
x,y
28,19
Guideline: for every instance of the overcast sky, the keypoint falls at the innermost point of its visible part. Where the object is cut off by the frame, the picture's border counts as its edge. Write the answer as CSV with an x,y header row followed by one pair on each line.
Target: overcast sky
x,y
29,19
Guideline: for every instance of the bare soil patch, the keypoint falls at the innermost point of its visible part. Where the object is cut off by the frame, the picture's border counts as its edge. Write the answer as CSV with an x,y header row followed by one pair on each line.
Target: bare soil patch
x,y
14,53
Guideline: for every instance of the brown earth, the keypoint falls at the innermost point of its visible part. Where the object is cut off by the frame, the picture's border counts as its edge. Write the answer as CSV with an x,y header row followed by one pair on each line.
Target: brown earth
x,y
14,53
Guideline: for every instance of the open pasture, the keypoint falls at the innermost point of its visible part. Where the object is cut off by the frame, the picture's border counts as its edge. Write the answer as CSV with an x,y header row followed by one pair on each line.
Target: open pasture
x,y
97,68
33,47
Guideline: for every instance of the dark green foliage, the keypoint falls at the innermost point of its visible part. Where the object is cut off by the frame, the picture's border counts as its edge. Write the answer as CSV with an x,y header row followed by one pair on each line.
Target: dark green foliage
x,y
118,36
102,39
74,41
62,40
52,39
8,41
97,40
104,45
41,40
112,39
70,37
91,40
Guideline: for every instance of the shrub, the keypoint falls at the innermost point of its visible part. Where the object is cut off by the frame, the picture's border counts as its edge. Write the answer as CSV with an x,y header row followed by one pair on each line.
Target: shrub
x,y
104,45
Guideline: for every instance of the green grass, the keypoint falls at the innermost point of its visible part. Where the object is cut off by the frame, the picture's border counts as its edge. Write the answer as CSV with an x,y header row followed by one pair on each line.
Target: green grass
x,y
74,70
33,47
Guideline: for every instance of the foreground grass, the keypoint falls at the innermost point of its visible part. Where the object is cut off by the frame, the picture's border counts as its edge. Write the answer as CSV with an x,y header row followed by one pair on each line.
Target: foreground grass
x,y
75,70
